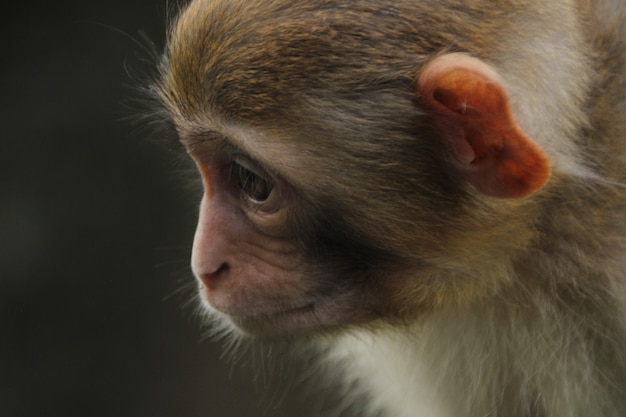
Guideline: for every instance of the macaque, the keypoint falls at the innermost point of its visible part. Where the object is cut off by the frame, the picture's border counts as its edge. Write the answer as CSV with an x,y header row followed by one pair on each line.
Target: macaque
x,y
431,192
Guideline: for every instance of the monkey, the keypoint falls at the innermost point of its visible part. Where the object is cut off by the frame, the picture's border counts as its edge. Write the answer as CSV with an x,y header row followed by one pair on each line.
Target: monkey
x,y
430,192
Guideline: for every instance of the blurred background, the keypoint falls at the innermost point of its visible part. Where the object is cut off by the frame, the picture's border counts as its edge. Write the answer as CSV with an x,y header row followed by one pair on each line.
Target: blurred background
x,y
95,233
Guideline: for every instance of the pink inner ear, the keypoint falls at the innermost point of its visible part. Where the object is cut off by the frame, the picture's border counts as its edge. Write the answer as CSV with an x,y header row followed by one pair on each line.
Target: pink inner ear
x,y
453,102
472,109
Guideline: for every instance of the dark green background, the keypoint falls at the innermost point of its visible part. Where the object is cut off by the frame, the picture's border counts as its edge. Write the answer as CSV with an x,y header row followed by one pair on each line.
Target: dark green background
x,y
95,232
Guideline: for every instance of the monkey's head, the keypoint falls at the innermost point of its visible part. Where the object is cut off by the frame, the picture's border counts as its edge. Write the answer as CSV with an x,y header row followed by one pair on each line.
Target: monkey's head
x,y
350,162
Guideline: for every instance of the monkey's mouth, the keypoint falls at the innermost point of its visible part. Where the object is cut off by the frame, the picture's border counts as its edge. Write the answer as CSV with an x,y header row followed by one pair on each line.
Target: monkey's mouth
x,y
281,321
314,311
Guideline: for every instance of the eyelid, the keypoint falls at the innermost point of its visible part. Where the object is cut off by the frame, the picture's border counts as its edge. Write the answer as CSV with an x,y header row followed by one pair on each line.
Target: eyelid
x,y
253,166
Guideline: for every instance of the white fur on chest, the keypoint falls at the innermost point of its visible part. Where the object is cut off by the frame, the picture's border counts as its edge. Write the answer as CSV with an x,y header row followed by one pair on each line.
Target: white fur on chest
x,y
472,363
392,371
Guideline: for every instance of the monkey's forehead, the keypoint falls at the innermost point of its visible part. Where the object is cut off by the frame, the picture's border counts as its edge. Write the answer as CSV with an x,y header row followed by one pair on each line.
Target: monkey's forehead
x,y
255,57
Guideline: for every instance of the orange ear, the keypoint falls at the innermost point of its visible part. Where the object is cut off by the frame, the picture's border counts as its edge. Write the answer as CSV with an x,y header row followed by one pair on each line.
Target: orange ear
x,y
472,109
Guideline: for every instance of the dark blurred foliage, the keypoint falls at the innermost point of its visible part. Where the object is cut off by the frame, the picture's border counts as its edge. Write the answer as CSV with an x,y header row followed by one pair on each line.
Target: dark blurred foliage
x,y
95,232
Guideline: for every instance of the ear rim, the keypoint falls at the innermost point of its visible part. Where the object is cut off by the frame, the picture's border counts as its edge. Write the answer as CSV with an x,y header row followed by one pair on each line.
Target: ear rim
x,y
467,99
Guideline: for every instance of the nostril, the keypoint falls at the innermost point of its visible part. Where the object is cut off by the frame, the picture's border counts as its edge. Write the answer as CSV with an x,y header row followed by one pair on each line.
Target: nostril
x,y
211,279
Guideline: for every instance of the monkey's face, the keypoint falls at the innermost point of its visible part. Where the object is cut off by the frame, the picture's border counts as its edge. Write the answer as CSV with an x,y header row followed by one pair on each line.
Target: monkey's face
x,y
271,255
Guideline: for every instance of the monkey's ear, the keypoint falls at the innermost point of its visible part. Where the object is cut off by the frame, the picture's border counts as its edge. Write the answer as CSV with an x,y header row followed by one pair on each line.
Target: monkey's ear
x,y
472,108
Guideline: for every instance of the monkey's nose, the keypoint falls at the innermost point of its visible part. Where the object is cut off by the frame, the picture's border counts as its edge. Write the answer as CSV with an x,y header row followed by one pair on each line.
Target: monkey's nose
x,y
211,280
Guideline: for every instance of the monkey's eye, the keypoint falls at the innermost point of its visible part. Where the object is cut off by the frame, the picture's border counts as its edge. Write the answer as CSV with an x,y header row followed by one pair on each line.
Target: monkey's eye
x,y
254,186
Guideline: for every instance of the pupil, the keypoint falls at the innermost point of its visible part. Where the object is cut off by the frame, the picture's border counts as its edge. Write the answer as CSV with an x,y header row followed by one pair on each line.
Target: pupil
x,y
255,186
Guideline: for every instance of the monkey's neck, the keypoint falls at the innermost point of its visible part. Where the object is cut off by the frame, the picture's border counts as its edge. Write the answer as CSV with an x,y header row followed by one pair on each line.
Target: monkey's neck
x,y
543,347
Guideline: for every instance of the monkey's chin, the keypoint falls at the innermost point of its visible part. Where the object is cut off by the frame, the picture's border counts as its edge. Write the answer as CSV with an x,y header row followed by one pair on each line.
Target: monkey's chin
x,y
302,320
